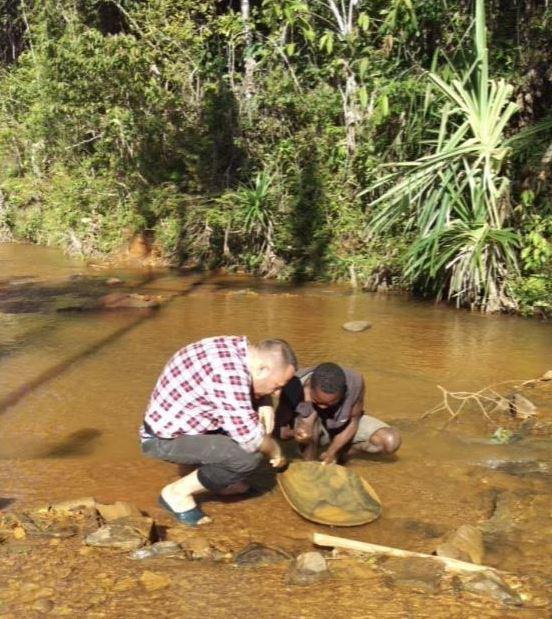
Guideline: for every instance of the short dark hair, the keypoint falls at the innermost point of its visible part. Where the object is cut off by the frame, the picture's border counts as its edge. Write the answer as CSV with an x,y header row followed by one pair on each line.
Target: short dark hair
x,y
281,347
329,378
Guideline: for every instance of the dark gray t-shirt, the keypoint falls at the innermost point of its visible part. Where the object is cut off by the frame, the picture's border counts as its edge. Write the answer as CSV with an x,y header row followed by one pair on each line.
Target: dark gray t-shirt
x,y
334,418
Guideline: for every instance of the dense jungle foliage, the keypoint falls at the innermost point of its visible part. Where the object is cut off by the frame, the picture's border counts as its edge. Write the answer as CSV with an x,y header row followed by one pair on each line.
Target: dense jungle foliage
x,y
387,142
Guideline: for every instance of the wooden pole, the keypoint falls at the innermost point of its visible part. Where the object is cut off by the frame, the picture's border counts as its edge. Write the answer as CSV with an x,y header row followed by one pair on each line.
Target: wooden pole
x,y
453,565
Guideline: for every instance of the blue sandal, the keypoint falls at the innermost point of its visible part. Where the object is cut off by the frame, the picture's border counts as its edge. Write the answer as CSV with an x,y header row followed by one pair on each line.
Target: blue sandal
x,y
191,517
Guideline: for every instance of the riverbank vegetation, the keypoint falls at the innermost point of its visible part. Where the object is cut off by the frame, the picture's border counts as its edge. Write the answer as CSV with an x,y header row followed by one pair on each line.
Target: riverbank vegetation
x,y
389,143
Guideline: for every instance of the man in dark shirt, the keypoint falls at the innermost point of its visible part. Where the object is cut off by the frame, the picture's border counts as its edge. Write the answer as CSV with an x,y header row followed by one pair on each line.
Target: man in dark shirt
x,y
325,406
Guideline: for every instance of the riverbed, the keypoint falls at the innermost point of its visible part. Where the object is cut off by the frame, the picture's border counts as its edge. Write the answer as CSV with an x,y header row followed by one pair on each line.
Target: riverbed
x,y
75,380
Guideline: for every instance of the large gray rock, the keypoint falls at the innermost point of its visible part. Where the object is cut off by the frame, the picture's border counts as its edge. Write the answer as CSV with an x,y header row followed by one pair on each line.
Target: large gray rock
x,y
124,534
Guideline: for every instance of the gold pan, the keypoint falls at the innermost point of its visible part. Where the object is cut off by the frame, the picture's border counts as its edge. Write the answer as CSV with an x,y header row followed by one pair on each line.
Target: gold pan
x,y
331,494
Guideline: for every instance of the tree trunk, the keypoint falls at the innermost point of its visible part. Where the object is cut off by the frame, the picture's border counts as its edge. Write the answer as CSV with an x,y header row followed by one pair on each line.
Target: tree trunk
x,y
249,62
351,112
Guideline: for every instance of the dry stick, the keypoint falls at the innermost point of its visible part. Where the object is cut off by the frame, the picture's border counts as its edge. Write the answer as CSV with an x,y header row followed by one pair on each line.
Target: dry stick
x,y
453,565
486,393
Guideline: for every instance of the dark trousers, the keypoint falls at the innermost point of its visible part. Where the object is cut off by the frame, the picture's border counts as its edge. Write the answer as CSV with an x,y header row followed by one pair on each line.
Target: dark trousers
x,y
221,460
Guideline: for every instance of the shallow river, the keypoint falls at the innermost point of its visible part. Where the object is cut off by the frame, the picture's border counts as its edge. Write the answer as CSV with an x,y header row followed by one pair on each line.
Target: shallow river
x,y
74,385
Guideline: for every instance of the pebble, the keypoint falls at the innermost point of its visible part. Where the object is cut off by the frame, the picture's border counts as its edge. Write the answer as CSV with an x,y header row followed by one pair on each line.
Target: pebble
x,y
153,582
19,533
311,562
159,549
198,548
307,569
356,325
125,584
43,605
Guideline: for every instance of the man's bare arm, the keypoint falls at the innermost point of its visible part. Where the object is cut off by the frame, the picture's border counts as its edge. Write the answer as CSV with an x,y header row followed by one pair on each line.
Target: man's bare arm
x,y
266,413
307,436
347,435
272,451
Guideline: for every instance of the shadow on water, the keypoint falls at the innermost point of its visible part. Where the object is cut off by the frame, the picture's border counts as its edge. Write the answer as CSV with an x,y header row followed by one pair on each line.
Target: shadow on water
x,y
16,395
78,443
28,295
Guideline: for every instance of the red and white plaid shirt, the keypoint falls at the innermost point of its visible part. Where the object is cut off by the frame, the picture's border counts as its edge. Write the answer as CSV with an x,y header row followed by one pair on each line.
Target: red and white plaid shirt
x,y
206,386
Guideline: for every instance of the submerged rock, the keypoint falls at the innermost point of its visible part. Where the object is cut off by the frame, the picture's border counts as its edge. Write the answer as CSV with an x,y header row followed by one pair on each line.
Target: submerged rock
x,y
521,407
414,572
356,325
521,468
198,548
257,554
43,605
70,506
153,582
308,568
119,509
116,300
489,584
123,534
464,544
159,549
422,529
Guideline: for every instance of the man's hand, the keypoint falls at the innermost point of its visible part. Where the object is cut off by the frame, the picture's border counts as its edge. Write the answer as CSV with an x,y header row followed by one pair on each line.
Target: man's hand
x,y
286,433
266,415
302,435
304,430
271,450
278,461
327,458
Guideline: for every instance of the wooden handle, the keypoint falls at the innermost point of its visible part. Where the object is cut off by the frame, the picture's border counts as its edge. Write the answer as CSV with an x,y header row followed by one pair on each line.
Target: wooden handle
x,y
453,565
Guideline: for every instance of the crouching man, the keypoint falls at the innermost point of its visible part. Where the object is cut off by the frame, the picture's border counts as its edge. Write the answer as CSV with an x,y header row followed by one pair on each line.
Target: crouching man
x,y
324,406
201,413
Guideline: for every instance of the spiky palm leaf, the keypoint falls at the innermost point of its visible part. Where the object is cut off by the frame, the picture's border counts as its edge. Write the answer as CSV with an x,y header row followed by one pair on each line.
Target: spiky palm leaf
x,y
457,197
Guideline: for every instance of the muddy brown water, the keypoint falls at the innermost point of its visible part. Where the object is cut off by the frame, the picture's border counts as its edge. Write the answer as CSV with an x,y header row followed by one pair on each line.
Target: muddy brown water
x,y
74,385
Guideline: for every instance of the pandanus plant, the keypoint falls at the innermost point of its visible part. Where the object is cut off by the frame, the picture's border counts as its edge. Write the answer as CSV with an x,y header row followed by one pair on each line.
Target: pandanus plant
x,y
456,199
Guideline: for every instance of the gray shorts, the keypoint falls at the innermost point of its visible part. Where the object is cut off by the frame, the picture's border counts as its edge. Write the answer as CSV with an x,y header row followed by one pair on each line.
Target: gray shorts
x,y
220,460
366,427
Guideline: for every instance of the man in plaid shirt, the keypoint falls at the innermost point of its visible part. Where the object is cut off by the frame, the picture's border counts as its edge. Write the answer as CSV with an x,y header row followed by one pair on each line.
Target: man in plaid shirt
x,y
201,412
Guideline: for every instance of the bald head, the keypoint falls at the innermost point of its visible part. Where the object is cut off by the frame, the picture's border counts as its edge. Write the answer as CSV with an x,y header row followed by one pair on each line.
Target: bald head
x,y
279,350
272,364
